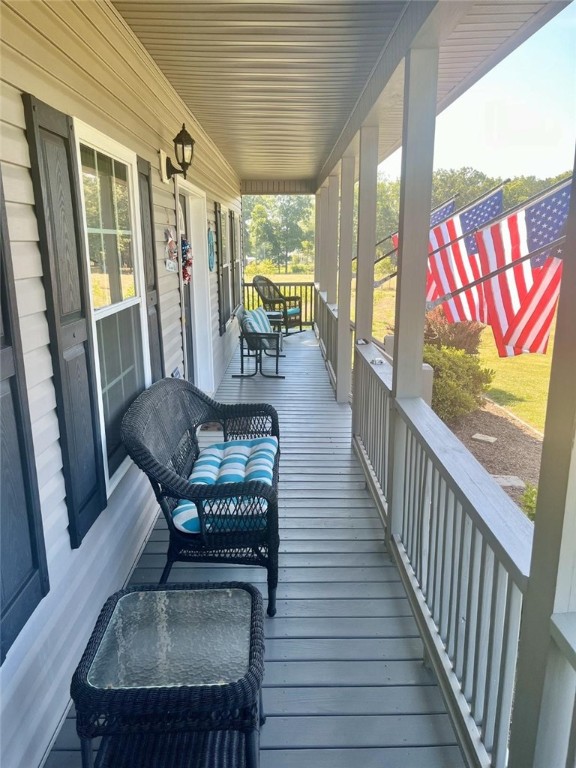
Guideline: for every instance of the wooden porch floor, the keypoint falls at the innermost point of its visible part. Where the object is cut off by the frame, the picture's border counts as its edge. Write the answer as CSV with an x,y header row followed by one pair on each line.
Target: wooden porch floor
x,y
344,684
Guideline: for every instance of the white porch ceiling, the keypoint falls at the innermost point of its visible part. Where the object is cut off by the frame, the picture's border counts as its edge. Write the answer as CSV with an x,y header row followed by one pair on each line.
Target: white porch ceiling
x,y
282,87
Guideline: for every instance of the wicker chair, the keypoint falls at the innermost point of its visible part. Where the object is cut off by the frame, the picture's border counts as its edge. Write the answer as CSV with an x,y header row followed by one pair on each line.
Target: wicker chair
x,y
275,301
234,522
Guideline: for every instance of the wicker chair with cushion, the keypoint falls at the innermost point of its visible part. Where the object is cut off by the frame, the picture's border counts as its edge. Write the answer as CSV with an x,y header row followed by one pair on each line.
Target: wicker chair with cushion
x,y
275,301
220,502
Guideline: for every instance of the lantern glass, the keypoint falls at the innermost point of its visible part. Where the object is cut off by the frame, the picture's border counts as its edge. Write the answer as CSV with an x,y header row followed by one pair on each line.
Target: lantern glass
x,y
184,147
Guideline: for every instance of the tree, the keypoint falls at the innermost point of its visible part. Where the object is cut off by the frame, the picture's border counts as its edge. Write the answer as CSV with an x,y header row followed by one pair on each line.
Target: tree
x,y
276,226
290,211
263,234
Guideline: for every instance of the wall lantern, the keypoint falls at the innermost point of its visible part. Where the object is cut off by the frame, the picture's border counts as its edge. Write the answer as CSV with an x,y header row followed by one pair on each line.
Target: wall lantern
x,y
184,149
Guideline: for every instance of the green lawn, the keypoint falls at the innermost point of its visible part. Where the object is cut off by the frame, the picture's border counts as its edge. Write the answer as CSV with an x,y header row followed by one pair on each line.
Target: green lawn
x,y
520,383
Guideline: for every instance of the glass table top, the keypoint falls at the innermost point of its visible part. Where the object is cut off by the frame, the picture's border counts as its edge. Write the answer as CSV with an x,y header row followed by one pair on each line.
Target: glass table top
x,y
175,637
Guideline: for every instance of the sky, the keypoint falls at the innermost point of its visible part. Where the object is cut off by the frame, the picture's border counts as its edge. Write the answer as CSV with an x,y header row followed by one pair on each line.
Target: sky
x,y
520,118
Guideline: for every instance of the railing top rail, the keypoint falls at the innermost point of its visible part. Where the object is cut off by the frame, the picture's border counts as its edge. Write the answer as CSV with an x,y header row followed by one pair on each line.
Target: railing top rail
x,y
506,529
563,630
307,283
383,370
332,308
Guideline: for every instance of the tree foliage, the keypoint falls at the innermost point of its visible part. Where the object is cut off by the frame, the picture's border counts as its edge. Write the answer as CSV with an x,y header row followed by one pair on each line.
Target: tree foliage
x,y
276,226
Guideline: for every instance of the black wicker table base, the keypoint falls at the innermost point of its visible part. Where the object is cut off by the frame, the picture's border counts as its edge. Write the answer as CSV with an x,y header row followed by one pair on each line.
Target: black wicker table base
x,y
212,749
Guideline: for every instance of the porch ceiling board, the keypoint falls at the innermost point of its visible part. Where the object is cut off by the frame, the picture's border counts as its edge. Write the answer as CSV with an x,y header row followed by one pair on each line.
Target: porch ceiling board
x,y
283,87
272,83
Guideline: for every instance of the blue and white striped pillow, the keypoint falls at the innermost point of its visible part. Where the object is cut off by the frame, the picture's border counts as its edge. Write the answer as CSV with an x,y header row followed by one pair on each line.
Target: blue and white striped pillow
x,y
233,462
236,461
256,321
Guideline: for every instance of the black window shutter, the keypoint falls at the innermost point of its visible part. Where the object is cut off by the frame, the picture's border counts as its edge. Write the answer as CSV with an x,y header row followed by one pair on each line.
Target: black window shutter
x,y
58,212
220,269
150,269
24,573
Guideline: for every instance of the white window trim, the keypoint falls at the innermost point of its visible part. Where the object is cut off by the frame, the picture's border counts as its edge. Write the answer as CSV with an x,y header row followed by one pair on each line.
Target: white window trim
x,y
201,285
86,134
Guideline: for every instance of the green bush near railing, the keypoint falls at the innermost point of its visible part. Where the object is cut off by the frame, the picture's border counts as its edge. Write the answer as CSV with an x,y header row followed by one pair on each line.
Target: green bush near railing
x,y
459,382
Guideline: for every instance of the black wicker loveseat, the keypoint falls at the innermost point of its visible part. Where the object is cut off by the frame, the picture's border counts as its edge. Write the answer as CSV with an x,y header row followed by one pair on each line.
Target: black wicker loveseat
x,y
210,520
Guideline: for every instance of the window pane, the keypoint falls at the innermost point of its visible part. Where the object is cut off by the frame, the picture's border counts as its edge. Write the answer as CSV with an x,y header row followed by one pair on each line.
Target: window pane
x,y
107,207
121,373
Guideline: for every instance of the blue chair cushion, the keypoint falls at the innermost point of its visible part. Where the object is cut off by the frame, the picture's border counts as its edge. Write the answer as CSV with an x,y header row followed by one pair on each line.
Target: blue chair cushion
x,y
293,311
235,461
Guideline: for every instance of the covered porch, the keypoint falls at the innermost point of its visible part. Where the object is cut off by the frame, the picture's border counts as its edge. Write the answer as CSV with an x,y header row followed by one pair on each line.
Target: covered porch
x,y
396,545
345,683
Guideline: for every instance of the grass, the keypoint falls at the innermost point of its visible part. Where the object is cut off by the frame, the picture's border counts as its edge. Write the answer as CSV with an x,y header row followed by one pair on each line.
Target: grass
x,y
520,383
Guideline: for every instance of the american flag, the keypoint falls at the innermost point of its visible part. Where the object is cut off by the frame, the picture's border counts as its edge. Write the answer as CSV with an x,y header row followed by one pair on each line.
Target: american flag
x,y
454,263
442,213
522,299
437,215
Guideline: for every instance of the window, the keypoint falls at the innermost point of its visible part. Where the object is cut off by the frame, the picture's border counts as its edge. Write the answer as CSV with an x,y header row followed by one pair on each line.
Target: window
x,y
109,199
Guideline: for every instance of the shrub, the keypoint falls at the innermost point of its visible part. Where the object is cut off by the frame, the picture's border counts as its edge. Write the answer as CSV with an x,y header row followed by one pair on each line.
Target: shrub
x,y
459,382
262,267
440,333
528,500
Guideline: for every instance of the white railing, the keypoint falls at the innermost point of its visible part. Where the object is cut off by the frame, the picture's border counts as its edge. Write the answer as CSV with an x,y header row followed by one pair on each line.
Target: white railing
x,y
463,548
326,318
556,744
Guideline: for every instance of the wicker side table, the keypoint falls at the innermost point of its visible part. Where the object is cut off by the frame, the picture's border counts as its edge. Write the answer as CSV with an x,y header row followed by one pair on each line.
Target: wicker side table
x,y
172,677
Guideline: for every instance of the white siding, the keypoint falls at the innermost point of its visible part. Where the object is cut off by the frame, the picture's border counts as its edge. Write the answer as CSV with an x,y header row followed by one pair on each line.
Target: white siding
x,y
82,59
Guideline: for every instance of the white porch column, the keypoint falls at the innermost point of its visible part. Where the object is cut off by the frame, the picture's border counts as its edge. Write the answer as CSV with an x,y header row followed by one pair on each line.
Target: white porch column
x,y
552,583
343,370
367,191
331,261
420,85
323,221
317,236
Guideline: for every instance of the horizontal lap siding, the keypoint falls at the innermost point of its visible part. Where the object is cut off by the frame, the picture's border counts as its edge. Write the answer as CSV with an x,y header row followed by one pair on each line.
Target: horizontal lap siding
x,y
81,59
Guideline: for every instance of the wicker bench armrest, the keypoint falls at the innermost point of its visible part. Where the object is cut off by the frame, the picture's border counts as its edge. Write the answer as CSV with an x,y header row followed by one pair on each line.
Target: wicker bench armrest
x,y
249,420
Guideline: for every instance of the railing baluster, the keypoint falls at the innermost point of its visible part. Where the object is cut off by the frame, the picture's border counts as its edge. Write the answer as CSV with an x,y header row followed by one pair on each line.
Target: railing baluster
x,y
483,633
445,582
463,578
497,616
438,547
472,609
454,576
507,675
427,583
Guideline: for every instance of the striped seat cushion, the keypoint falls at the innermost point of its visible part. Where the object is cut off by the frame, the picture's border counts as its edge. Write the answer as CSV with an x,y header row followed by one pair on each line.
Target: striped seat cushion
x,y
256,321
236,461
